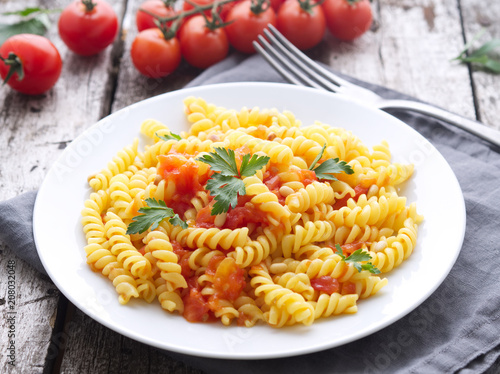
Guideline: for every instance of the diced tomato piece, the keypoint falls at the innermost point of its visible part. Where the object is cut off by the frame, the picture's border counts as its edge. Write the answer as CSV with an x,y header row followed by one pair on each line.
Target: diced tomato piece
x,y
204,217
273,182
229,278
184,174
348,288
183,255
349,248
196,308
307,176
242,216
358,191
325,284
213,264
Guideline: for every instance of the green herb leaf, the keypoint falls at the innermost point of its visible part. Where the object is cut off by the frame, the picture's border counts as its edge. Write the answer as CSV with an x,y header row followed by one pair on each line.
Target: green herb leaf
x,y
318,157
483,56
226,184
249,166
168,137
222,160
225,190
37,25
177,221
329,167
152,214
23,12
355,258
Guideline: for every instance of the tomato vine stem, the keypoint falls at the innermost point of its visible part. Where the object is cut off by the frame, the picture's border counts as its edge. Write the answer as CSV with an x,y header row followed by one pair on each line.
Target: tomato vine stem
x,y
186,13
89,5
16,66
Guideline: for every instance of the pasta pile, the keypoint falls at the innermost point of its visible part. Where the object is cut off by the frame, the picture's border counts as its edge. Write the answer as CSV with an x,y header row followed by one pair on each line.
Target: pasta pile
x,y
272,258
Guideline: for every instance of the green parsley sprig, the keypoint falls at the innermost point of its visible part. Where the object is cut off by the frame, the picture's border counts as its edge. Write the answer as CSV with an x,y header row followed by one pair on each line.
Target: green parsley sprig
x,y
329,167
152,214
168,137
485,57
226,183
355,258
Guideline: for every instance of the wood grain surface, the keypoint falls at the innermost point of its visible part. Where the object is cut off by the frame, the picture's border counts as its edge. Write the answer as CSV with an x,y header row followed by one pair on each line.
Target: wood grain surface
x,y
409,48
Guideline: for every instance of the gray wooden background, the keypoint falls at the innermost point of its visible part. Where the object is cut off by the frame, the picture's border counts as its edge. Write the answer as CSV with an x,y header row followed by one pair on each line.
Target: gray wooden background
x,y
409,49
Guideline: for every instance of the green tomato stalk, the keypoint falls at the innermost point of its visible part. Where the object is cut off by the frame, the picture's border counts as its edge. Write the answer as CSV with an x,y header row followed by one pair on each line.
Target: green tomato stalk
x,y
16,66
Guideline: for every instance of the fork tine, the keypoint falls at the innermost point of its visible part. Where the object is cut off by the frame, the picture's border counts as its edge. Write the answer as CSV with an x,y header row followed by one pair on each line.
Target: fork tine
x,y
325,74
293,64
284,73
284,65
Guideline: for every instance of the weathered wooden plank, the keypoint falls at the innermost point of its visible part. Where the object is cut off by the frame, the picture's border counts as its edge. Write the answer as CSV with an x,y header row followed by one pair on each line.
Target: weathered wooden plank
x,y
478,15
33,133
28,306
409,49
93,348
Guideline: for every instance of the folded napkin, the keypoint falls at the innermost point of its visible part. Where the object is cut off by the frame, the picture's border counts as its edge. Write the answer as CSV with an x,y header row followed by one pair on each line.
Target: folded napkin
x,y
455,329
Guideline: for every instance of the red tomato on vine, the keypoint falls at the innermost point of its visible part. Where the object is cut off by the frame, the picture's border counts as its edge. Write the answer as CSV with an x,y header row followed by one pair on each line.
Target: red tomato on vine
x,y
203,43
88,26
29,63
160,8
154,53
249,18
302,22
348,19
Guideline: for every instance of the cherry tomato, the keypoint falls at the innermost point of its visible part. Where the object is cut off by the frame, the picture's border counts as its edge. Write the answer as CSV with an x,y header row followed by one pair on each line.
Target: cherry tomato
x,y
302,22
347,21
153,55
247,25
276,4
200,46
160,8
87,27
36,62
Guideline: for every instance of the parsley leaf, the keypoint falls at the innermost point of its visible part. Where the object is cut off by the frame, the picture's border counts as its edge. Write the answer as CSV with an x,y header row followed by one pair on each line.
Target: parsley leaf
x,y
249,166
225,190
483,56
226,184
355,258
168,137
222,160
152,214
329,167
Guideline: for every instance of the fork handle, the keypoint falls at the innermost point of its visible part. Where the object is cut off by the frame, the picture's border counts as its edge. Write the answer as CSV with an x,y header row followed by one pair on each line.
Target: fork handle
x,y
476,128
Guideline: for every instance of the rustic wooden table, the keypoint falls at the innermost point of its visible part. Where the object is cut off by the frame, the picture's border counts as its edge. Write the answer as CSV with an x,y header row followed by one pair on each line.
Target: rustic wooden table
x,y
408,49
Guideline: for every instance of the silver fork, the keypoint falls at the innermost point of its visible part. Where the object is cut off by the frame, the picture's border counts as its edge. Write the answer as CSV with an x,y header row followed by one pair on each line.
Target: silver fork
x,y
299,69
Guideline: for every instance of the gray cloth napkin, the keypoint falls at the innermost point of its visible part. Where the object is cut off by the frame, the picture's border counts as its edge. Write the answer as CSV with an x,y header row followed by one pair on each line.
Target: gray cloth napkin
x,y
455,329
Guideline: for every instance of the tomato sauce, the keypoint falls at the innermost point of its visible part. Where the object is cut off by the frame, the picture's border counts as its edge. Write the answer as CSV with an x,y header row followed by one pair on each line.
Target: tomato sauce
x,y
183,259
358,191
238,217
273,183
228,283
307,176
184,174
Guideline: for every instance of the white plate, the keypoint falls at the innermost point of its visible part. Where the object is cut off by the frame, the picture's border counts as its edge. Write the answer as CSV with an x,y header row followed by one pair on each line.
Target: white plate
x,y
60,241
